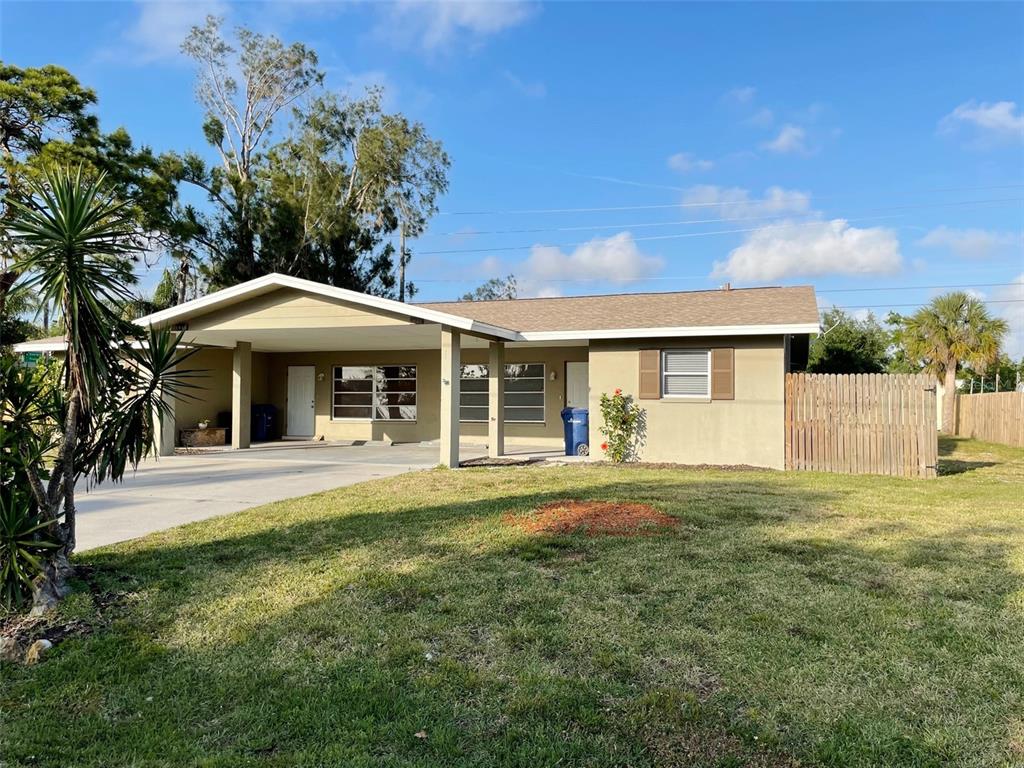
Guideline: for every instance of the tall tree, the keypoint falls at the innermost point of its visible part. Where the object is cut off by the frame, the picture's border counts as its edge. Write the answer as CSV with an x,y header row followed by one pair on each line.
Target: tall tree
x,y
45,121
953,329
346,176
71,241
239,118
849,345
320,202
495,288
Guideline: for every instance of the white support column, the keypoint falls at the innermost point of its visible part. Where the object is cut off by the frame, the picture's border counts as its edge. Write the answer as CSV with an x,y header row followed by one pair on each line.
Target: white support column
x,y
241,395
496,400
165,428
451,372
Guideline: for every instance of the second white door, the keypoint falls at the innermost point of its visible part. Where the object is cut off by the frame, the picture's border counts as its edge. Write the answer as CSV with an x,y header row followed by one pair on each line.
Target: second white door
x,y
577,385
301,400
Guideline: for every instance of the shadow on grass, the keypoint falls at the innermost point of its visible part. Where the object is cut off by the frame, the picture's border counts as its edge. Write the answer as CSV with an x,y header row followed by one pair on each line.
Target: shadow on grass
x,y
497,647
950,465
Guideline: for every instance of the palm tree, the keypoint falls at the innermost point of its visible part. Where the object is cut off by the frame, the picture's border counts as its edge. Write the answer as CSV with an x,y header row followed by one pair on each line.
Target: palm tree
x,y
953,329
75,241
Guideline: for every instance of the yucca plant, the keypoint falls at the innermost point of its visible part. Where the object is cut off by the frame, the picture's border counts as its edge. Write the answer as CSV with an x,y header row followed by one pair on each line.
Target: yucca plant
x,y
77,243
24,544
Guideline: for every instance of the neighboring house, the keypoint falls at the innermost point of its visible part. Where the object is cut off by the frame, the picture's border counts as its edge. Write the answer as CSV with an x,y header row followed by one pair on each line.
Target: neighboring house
x,y
707,367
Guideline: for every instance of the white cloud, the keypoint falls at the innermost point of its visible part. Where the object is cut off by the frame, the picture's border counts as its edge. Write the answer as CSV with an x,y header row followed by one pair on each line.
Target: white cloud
x,y
735,202
990,121
791,138
435,25
1013,313
969,243
763,118
685,162
807,249
616,259
161,27
531,89
742,95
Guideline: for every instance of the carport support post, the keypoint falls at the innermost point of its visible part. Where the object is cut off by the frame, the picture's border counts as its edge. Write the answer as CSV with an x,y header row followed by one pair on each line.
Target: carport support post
x,y
451,372
164,428
241,394
496,400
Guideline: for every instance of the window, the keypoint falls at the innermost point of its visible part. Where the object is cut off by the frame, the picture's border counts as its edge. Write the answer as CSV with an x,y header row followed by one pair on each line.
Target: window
x,y
524,393
686,373
383,392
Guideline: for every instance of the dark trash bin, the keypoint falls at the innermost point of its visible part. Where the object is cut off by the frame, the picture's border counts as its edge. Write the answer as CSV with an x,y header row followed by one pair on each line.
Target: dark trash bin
x,y
263,421
577,431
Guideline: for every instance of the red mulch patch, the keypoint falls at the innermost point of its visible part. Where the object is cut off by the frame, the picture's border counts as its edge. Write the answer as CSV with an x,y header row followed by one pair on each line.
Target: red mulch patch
x,y
594,518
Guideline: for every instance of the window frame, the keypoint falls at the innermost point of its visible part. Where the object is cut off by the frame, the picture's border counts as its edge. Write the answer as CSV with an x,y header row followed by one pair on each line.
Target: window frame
x,y
504,406
665,374
374,391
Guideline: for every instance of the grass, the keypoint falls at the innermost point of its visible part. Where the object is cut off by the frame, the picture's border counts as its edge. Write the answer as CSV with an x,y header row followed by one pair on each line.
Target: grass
x,y
789,619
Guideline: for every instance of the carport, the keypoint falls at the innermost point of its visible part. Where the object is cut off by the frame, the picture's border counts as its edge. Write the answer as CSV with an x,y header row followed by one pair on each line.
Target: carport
x,y
294,339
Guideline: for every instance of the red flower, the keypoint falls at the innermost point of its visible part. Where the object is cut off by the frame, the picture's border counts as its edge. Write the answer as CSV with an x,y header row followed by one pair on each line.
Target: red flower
x,y
618,390
604,446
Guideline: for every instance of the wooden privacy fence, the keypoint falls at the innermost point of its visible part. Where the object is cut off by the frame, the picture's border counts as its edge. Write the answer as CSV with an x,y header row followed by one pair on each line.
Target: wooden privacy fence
x,y
861,423
997,417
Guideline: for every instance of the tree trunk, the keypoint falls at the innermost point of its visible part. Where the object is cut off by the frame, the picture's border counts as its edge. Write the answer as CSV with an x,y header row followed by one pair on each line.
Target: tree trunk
x,y
51,586
949,399
182,281
401,263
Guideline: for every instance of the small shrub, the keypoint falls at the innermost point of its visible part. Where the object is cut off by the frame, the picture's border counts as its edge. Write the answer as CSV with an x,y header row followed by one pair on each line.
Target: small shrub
x,y
621,417
22,545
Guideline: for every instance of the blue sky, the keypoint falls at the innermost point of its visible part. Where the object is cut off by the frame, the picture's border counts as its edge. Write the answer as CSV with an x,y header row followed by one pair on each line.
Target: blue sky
x,y
603,147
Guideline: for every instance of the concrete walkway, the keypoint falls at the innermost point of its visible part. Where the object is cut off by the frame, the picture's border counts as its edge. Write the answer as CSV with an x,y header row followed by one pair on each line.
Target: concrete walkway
x,y
184,488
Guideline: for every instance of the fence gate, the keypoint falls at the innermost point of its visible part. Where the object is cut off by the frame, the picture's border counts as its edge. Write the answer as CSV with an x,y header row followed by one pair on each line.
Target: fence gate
x,y
862,423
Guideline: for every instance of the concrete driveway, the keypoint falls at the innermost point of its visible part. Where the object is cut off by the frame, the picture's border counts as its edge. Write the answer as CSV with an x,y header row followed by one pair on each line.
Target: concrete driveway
x,y
184,488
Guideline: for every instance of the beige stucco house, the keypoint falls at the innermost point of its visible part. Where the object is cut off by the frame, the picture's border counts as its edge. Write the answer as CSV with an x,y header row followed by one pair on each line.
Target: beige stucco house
x,y
707,367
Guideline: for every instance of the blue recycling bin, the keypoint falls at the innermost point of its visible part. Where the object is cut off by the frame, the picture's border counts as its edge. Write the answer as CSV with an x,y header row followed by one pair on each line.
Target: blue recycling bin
x,y
577,431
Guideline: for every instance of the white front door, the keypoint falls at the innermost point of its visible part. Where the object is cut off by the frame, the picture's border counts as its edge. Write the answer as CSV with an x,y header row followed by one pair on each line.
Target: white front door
x,y
301,400
577,385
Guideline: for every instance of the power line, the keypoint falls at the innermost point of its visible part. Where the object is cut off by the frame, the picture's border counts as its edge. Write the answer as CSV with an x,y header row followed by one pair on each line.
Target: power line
x,y
607,209
920,304
649,238
689,222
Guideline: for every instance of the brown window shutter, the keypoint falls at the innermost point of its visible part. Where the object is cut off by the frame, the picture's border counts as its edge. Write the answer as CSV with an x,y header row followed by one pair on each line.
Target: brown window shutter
x,y
723,376
650,374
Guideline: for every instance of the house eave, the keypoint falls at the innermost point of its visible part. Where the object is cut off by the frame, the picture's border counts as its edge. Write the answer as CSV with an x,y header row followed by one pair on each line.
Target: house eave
x,y
673,332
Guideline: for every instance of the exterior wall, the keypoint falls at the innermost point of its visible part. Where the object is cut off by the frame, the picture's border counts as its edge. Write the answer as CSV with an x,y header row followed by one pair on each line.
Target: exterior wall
x,y
213,392
428,394
428,375
289,308
746,430
551,431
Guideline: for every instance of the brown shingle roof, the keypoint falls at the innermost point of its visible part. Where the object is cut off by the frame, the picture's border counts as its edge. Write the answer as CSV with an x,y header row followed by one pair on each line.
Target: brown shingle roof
x,y
739,306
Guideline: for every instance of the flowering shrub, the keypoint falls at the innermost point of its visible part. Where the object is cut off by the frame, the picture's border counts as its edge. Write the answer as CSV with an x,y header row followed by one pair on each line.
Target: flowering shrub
x,y
620,416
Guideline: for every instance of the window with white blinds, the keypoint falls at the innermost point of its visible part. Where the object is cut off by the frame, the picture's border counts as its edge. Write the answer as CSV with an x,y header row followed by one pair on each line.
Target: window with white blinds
x,y
686,373
524,393
381,392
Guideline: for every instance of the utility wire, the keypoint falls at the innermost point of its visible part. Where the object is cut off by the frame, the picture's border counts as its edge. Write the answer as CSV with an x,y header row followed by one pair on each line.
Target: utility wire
x,y
649,238
606,209
689,222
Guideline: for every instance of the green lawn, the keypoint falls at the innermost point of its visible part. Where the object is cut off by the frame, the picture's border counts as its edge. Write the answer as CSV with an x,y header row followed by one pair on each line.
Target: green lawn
x,y
789,619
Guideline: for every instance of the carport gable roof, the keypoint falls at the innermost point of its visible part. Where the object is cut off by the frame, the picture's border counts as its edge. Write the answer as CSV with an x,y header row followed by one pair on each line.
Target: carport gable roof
x,y
274,281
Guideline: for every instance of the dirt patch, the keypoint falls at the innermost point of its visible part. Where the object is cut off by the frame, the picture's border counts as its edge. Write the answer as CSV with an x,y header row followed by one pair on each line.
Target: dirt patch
x,y
594,518
503,461
23,629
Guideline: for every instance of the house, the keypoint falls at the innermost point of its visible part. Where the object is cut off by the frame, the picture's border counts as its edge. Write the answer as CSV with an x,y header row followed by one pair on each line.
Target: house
x,y
707,367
